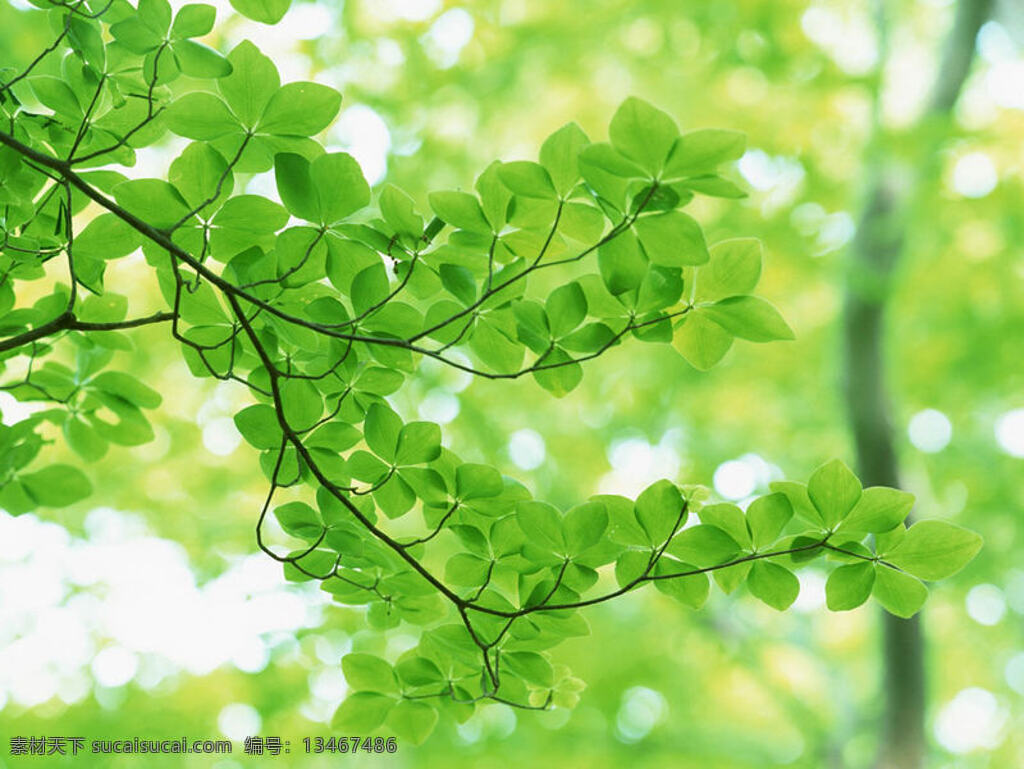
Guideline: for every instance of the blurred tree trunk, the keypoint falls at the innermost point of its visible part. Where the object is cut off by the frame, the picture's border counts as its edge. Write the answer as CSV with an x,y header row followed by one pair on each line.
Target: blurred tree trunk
x,y
875,250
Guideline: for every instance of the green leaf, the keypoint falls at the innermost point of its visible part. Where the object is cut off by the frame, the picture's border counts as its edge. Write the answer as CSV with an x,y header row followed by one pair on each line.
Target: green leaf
x,y
341,187
300,109
155,14
629,566
731,577
15,499
659,197
128,387
362,712
369,288
530,180
458,281
729,519
381,429
494,347
703,545
300,520
84,37
251,214
542,525
198,60
734,268
365,672
849,586
691,590
264,11
766,517
659,509
295,186
899,593
251,84
607,160
202,176
135,36
316,562
418,671
585,526
193,20
460,209
887,541
600,301
418,442
105,308
749,317
592,337
201,116
336,436
879,509
494,196
700,152
152,200
834,490
581,222
530,666
83,440
379,380
622,263
672,239
506,537
302,403
559,374
412,721
643,134
132,429
566,308
107,237
399,210
560,156
701,341
935,550
466,569
477,482
202,308
799,499
56,485
364,466
773,584
56,94
661,288
472,539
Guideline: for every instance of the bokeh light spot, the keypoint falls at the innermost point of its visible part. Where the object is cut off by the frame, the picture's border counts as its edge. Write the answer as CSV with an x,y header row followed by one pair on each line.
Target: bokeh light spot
x,y
1010,432
238,721
930,430
526,448
972,720
642,709
986,604
974,175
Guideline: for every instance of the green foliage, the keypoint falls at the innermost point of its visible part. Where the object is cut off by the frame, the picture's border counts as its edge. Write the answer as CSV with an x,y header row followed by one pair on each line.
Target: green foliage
x,y
935,549
323,307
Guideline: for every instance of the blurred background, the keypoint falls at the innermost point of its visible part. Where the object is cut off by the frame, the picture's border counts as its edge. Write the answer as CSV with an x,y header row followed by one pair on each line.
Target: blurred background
x,y
886,178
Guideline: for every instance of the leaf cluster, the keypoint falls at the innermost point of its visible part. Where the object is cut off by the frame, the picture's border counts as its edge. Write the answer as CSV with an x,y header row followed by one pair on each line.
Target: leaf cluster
x,y
324,299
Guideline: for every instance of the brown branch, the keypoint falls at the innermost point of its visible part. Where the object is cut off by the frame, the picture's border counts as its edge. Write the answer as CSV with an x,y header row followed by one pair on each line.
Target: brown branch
x,y
68,322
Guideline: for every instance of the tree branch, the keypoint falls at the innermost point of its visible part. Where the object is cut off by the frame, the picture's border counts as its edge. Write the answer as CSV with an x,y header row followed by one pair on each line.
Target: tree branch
x,y
68,322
